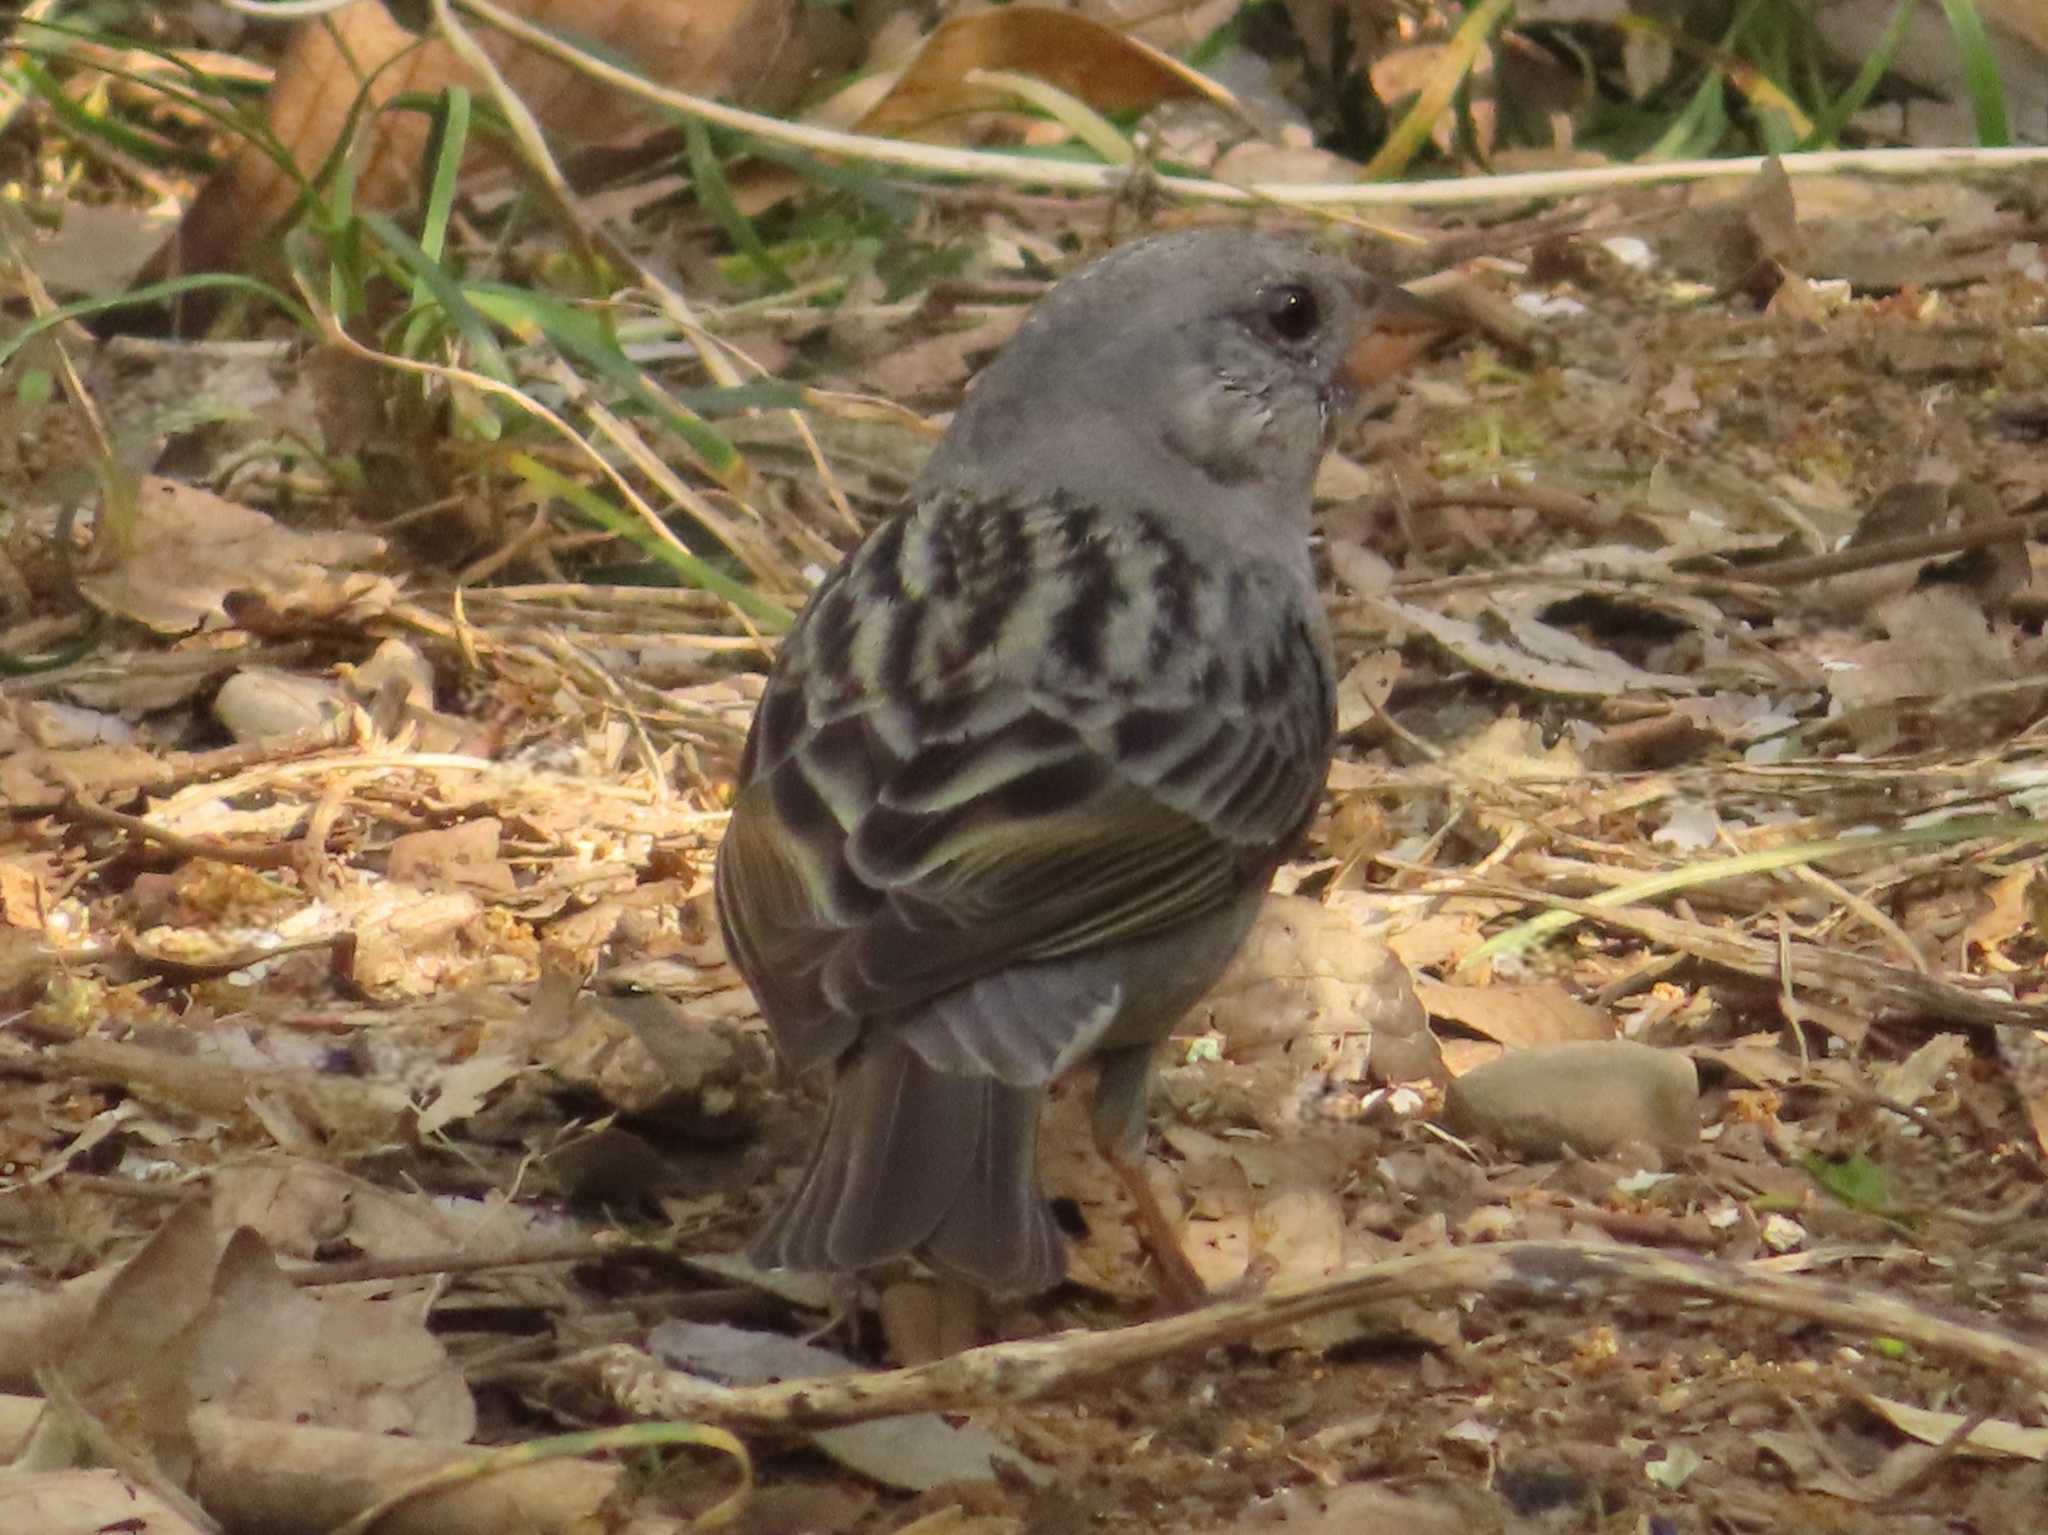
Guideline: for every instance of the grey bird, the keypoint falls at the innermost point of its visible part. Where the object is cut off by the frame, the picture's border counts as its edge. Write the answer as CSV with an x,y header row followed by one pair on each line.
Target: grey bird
x,y
1026,764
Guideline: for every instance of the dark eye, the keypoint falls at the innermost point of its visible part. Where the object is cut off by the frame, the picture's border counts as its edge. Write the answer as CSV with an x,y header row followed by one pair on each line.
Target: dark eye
x,y
1293,312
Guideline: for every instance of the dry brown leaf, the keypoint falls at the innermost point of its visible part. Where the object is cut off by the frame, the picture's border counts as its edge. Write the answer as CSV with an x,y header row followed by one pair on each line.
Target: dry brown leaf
x,y
407,943
267,1349
756,52
1301,1232
23,899
2025,1055
1757,1058
31,778
83,1501
1518,1017
464,856
1308,971
1366,688
1109,1256
1993,1436
462,1090
1940,642
1107,69
192,548
1521,649
1912,1080
202,1315
2015,905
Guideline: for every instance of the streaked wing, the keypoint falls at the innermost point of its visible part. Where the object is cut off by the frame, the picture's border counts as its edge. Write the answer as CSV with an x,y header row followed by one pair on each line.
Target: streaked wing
x,y
966,773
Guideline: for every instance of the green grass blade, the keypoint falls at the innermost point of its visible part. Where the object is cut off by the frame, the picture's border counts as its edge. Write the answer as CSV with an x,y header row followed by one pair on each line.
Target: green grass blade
x,y
1698,126
1459,54
203,94
146,147
485,355
445,150
714,196
1527,934
1828,125
155,293
891,201
583,337
1980,72
689,569
450,141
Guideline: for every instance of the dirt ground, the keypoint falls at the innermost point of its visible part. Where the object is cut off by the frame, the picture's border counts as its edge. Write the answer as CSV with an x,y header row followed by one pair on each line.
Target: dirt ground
x,y
353,896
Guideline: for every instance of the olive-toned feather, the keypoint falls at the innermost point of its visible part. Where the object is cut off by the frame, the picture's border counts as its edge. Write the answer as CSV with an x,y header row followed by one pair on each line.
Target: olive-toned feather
x,y
909,825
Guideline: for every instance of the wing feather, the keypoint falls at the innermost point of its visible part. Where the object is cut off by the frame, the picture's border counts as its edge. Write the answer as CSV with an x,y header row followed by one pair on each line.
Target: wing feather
x,y
953,798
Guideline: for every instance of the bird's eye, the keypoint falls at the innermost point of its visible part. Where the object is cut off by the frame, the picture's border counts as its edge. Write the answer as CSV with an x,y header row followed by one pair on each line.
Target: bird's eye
x,y
1293,312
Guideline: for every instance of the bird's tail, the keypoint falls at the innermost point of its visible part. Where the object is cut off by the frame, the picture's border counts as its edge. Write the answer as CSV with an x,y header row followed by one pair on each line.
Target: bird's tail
x,y
917,1160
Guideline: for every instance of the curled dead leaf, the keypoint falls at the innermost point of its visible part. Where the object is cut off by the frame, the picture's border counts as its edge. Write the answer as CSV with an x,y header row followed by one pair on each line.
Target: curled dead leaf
x,y
193,548
756,52
1108,70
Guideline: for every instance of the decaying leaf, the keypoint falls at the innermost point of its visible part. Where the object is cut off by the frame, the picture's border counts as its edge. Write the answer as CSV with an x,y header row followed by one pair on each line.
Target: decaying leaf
x,y
1517,1016
1308,976
1108,70
193,548
1530,653
760,52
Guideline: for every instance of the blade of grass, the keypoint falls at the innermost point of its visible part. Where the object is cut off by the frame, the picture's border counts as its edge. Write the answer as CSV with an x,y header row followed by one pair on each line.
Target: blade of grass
x,y
1756,73
579,335
1527,934
1452,65
1980,72
714,196
688,567
485,354
1699,125
155,293
1087,125
445,151
891,201
1779,120
443,160
146,147
1827,127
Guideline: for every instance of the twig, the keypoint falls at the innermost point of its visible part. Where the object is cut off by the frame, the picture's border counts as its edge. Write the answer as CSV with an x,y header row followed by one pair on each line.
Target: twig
x,y
1895,551
570,1250
1567,1272
271,856
1580,512
942,159
1870,983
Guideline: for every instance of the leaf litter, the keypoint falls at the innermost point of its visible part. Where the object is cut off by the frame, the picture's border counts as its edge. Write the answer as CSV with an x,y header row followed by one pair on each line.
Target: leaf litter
x,y
411,975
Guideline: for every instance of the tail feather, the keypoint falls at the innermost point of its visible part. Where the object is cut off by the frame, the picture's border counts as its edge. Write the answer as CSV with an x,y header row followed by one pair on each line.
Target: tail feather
x,y
999,1231
914,1159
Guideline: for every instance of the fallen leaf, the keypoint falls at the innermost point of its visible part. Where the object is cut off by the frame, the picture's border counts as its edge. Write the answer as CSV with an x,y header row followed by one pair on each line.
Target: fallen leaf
x,y
1518,1016
1108,70
916,1450
192,548
1532,654
342,72
1998,1437
463,1089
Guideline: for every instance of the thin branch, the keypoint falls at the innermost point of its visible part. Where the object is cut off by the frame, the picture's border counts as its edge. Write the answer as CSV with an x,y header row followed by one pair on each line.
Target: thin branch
x,y
1550,1272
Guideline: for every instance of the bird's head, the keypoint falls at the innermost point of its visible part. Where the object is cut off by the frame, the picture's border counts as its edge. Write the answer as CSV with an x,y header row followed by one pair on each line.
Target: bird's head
x,y
1203,369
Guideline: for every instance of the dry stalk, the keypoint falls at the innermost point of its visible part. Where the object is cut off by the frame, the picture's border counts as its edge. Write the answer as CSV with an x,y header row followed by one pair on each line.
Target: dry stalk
x,y
1005,1374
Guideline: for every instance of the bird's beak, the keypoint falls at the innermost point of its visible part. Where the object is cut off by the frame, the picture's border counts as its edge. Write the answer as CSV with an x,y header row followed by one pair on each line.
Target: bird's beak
x,y
1401,327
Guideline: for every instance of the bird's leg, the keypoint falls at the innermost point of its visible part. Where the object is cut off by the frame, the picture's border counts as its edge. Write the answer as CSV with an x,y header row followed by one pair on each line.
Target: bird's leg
x,y
846,1314
1123,1090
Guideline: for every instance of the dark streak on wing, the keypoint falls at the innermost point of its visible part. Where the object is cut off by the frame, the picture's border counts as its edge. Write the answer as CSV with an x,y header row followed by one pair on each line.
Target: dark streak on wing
x,y
867,883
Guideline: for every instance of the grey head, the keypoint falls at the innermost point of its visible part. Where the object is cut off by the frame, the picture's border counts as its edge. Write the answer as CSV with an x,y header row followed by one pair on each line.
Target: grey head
x,y
1202,373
